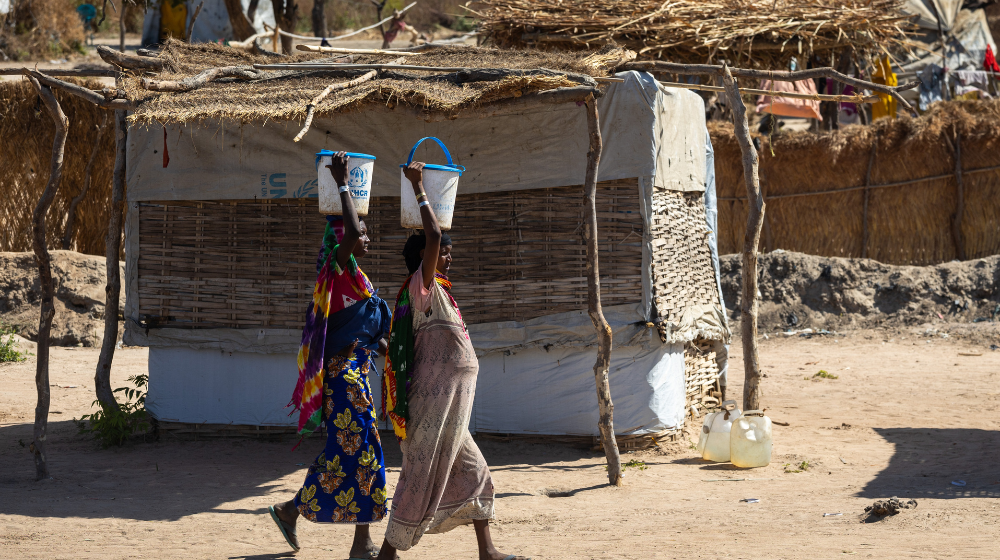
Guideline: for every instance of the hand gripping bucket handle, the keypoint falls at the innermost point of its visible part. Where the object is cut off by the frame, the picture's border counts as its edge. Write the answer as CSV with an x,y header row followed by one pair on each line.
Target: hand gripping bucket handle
x,y
447,154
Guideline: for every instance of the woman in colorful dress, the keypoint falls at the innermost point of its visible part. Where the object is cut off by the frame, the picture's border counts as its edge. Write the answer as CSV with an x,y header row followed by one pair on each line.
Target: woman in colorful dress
x,y
428,389
345,324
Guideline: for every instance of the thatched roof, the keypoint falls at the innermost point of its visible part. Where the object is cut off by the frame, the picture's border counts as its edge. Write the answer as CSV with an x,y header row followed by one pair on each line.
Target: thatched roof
x,y
760,33
285,94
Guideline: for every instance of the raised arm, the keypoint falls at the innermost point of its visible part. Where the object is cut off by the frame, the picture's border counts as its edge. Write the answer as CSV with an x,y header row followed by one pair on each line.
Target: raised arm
x,y
352,226
415,173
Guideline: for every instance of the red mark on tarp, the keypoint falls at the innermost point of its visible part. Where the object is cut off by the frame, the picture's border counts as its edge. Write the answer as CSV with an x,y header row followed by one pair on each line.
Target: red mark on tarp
x,y
166,156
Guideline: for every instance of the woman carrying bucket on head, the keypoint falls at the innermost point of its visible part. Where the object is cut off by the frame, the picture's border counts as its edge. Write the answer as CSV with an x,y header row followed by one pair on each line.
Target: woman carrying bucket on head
x,y
428,387
345,323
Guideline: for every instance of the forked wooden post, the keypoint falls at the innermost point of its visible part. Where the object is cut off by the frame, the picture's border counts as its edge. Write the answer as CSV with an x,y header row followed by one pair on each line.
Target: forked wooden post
x,y
751,240
112,244
42,257
606,419
956,220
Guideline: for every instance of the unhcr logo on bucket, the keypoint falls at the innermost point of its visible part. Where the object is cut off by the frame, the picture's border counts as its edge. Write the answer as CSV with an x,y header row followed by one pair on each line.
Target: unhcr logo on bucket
x,y
358,177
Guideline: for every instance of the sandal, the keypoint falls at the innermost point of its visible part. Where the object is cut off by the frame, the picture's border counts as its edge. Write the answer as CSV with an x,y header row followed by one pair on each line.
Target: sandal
x,y
287,531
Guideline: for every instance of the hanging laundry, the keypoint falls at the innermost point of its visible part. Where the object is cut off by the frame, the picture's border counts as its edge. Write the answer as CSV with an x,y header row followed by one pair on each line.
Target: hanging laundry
x,y
930,85
971,84
848,111
788,106
990,63
886,106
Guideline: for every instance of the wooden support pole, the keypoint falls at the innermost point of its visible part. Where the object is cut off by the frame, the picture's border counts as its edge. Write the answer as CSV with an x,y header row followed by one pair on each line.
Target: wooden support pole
x,y
868,189
751,240
194,18
606,419
42,257
956,220
71,213
112,248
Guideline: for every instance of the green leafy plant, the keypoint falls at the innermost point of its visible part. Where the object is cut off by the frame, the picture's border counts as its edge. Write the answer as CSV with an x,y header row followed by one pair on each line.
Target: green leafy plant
x,y
8,346
635,464
826,375
801,467
114,427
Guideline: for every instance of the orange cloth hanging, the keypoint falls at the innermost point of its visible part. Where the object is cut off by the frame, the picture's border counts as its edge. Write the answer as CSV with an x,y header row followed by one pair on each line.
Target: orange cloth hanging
x,y
789,106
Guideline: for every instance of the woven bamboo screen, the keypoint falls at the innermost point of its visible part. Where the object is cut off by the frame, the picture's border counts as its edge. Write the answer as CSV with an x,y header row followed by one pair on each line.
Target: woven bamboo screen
x,y
249,264
683,274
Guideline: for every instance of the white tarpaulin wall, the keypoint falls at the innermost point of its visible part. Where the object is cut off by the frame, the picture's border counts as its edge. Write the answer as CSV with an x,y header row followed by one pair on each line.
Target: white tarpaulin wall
x,y
536,376
967,31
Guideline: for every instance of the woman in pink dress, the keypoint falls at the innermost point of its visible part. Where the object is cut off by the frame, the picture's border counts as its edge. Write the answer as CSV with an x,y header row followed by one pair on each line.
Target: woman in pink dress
x,y
428,389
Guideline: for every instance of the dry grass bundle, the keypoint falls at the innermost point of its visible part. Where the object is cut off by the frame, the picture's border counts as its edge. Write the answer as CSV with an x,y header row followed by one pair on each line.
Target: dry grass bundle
x,y
284,95
38,29
907,224
26,134
762,33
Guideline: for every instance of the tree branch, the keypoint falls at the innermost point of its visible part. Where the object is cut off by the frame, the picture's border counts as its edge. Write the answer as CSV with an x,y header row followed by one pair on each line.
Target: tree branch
x,y
203,78
44,260
311,108
751,240
79,91
130,61
779,75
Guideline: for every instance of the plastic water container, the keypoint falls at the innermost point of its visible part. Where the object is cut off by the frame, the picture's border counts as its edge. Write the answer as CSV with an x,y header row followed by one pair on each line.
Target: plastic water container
x,y
359,180
750,441
713,444
440,184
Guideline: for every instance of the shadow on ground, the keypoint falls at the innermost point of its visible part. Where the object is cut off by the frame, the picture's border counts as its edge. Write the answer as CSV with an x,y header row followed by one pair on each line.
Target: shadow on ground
x,y
927,460
171,478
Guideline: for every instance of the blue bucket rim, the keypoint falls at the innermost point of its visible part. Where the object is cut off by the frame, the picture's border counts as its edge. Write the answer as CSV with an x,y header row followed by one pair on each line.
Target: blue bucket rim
x,y
435,167
322,153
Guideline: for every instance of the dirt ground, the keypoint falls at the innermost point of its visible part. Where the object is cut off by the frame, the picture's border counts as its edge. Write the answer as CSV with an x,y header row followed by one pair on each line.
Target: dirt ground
x,y
907,416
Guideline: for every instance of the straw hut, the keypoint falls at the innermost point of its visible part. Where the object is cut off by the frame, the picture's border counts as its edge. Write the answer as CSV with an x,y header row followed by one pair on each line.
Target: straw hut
x,y
758,33
222,231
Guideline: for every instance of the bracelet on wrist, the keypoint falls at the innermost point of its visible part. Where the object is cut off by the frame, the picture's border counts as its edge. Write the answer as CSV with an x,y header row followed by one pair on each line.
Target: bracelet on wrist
x,y
421,194
344,188
423,203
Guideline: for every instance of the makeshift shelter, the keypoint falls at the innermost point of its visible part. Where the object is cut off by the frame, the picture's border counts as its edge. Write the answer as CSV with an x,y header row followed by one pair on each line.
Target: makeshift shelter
x,y
223,228
759,33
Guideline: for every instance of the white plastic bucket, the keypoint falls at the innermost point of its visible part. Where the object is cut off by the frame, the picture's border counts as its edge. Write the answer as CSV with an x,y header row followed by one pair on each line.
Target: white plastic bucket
x,y
440,184
359,180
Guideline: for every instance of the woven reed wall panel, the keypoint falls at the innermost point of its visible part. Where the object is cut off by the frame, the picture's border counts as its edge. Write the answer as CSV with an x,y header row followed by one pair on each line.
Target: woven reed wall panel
x,y
701,370
518,255
908,224
683,274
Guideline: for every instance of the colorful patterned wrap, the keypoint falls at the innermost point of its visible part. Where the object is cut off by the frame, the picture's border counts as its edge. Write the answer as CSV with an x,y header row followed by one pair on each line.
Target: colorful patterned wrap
x,y
308,395
399,358
346,482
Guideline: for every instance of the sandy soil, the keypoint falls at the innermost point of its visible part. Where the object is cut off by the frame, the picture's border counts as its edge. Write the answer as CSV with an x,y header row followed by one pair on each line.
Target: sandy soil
x,y
906,417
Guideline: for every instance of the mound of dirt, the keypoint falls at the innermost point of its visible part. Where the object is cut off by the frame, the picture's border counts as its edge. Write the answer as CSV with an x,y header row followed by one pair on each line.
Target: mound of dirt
x,y
892,506
79,286
802,291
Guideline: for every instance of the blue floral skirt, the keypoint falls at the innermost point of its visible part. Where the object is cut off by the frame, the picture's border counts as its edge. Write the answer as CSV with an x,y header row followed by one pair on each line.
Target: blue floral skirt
x,y
346,483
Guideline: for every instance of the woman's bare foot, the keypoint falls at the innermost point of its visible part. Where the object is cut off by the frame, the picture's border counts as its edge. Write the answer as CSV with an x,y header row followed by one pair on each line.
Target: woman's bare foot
x,y
387,552
486,549
363,547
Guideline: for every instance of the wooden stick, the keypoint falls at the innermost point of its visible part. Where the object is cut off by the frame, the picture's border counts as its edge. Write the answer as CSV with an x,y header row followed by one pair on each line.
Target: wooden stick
x,y
71,213
67,73
112,248
128,61
194,18
751,240
346,35
203,78
956,221
868,190
465,74
606,418
311,108
79,91
312,48
48,310
814,96
121,28
781,75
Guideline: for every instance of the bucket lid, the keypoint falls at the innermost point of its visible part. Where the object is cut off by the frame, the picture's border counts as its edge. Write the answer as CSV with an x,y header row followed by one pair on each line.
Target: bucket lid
x,y
435,167
322,153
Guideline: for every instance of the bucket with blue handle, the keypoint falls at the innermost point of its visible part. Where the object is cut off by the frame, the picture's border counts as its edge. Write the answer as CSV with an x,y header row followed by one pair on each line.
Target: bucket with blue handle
x,y
440,184
359,181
